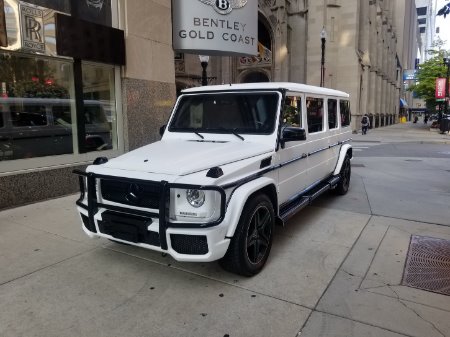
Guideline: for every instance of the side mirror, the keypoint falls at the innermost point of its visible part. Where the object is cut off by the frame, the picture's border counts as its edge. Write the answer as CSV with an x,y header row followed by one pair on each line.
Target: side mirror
x,y
162,129
292,134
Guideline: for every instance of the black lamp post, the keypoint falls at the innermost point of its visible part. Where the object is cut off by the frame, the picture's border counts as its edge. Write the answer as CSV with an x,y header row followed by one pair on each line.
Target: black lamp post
x,y
323,38
204,59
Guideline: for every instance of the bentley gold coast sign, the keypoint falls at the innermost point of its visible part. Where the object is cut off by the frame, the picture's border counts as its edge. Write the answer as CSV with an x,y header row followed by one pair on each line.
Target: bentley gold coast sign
x,y
215,27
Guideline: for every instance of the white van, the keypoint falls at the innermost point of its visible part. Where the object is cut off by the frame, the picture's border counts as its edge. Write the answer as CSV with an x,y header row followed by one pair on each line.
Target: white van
x,y
233,161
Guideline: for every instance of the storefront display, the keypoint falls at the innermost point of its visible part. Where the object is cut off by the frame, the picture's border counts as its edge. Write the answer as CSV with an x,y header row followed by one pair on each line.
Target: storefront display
x,y
41,113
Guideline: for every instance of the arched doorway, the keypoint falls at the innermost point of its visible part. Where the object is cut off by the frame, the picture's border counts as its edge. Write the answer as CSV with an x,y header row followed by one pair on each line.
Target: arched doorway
x,y
258,68
254,77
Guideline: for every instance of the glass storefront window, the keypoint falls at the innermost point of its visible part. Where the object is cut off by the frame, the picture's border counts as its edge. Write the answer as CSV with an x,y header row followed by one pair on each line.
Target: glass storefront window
x,y
33,91
99,107
38,104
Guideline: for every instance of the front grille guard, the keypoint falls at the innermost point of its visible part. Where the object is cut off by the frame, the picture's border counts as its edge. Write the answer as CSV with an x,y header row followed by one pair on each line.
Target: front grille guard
x,y
164,222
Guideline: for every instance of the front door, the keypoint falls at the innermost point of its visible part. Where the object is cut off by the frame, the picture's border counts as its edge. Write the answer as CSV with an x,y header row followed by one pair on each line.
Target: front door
x,y
292,176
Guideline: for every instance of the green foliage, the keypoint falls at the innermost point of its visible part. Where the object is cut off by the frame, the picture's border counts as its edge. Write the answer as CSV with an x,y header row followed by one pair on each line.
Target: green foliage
x,y
34,89
425,86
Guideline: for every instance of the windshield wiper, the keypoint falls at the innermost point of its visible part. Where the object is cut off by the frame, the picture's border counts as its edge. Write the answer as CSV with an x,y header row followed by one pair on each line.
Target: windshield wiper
x,y
237,134
221,128
201,136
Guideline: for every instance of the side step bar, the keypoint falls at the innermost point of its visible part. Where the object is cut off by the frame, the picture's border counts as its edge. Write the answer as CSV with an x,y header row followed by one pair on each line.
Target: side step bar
x,y
304,199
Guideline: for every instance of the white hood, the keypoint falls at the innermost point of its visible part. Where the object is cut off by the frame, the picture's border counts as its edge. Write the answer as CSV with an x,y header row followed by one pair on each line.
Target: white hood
x,y
182,157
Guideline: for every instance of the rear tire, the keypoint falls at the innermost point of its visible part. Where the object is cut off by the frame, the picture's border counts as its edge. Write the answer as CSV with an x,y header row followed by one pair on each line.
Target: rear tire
x,y
252,241
345,173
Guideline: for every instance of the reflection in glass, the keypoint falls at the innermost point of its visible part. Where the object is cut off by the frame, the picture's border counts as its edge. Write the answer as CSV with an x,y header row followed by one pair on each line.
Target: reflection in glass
x,y
99,107
314,114
35,107
13,24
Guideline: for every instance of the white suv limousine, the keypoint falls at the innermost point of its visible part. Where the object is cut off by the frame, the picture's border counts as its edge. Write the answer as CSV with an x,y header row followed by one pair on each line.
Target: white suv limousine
x,y
233,161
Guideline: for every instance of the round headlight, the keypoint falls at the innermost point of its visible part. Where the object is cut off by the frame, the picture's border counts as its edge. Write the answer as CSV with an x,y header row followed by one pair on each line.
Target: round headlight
x,y
195,197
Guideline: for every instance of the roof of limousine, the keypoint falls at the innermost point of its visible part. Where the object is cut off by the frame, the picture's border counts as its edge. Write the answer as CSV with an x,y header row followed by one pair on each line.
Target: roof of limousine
x,y
297,87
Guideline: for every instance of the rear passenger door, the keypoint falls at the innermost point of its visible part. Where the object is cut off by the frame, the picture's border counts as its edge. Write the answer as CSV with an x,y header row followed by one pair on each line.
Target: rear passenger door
x,y
318,141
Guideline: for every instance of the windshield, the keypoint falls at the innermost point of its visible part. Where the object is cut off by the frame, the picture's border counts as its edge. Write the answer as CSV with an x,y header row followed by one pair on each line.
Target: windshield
x,y
247,113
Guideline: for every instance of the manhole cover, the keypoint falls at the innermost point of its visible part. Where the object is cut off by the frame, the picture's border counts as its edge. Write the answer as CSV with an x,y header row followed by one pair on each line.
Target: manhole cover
x,y
358,165
428,264
413,160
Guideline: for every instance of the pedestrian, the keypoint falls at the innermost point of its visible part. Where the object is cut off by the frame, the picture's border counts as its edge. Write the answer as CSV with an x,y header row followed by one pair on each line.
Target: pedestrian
x,y
365,123
425,119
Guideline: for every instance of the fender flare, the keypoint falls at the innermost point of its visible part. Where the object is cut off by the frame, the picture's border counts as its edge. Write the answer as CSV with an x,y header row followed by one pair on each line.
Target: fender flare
x,y
346,148
239,198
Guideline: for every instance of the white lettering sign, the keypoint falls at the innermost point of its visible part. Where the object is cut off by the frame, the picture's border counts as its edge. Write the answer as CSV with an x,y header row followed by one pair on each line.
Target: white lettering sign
x,y
216,27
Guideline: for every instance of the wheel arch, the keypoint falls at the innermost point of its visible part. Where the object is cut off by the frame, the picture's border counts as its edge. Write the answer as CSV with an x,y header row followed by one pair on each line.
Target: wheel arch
x,y
345,149
243,194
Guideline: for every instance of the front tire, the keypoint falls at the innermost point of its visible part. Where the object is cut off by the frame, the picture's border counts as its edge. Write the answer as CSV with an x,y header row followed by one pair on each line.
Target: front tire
x,y
252,241
345,173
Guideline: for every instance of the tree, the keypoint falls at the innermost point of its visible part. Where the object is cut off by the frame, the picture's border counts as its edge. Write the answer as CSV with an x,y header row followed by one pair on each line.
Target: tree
x,y
425,86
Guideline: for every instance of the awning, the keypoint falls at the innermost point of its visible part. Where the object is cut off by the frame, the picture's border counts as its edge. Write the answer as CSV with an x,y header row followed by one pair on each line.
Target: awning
x,y
403,103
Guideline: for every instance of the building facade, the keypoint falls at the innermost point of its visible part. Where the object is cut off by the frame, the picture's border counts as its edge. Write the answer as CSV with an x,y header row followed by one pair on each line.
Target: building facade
x,y
426,19
367,46
63,104
67,98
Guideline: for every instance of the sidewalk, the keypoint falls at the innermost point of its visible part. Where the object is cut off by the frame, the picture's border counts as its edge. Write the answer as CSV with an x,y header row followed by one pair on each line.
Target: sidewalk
x,y
404,132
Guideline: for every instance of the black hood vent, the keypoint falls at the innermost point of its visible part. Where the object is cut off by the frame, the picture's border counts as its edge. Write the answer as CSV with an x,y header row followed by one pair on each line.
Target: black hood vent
x,y
215,172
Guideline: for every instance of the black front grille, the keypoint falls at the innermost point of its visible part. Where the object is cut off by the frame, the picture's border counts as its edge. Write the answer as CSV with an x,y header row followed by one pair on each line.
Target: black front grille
x,y
129,193
189,244
128,227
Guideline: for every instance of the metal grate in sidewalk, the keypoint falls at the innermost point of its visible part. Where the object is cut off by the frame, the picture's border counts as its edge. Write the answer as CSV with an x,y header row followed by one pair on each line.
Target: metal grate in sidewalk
x,y
428,264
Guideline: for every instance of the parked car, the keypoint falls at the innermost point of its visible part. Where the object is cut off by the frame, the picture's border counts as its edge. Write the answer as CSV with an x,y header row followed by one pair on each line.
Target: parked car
x,y
233,161
36,127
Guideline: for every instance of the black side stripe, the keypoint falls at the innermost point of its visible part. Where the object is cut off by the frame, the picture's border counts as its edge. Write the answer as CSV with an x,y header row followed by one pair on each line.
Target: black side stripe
x,y
258,174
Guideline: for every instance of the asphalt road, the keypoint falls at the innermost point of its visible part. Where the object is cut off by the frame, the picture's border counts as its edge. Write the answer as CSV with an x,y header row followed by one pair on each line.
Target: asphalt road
x,y
409,149
407,180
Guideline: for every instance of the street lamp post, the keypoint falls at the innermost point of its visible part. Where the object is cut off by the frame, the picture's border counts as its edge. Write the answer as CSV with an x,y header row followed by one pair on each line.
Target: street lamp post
x,y
204,59
323,38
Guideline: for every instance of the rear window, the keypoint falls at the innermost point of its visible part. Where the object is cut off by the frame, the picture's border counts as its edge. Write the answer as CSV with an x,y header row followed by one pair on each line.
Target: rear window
x,y
345,112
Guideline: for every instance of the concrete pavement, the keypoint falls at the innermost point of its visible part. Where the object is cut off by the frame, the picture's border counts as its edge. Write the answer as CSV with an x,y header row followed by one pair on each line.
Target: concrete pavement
x,y
335,270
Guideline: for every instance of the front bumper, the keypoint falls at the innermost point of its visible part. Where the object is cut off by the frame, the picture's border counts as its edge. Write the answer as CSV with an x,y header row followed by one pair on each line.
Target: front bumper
x,y
151,229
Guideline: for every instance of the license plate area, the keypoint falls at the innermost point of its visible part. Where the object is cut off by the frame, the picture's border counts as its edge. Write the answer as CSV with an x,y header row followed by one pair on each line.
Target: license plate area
x,y
128,227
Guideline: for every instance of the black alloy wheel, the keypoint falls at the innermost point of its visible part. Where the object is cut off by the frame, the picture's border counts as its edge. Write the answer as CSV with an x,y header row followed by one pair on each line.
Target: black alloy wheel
x,y
250,246
259,234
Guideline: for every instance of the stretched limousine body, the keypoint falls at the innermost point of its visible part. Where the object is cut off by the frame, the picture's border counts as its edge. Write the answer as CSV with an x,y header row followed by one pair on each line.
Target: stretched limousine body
x,y
233,161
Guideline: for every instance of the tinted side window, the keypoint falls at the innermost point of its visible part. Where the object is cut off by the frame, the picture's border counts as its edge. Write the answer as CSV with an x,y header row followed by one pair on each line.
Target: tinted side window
x,y
62,115
1,120
345,112
28,115
332,114
314,112
292,111
94,114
